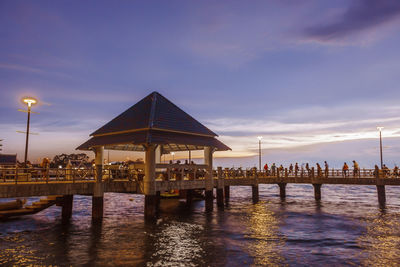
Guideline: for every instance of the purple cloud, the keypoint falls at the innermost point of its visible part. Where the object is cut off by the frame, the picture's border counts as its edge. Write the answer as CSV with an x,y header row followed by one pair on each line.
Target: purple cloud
x,y
362,15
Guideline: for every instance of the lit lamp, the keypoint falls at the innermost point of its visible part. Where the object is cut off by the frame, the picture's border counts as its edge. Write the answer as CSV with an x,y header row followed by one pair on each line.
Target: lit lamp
x,y
173,154
259,152
30,101
380,142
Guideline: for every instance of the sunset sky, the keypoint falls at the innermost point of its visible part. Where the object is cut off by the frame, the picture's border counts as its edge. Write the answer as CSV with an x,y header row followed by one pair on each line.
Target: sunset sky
x,y
314,78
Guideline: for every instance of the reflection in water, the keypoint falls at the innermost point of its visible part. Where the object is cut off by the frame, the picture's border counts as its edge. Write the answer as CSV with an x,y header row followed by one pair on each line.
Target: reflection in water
x,y
177,244
14,251
299,231
265,240
381,241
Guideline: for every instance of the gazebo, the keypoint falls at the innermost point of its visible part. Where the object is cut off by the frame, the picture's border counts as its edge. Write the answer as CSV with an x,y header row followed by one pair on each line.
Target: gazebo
x,y
155,126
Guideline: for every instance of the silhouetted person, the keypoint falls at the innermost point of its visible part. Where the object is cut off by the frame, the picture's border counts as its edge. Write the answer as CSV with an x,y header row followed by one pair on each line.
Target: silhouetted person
x,y
308,169
266,168
345,169
273,169
356,169
396,171
296,169
319,171
326,169
291,168
385,170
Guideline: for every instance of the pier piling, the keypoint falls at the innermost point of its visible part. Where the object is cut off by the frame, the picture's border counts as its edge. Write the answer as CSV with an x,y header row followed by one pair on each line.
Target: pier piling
x,y
282,190
67,204
227,193
150,199
381,195
98,191
220,189
189,197
317,191
254,188
208,154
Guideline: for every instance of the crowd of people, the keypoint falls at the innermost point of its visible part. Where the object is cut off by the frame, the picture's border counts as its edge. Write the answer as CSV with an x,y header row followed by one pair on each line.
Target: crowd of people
x,y
325,171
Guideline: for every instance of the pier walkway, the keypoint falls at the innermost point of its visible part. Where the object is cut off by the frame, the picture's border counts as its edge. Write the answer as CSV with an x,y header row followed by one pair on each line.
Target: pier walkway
x,y
65,183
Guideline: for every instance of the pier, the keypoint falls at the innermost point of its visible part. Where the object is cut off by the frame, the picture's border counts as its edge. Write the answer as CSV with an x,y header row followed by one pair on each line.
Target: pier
x,y
155,126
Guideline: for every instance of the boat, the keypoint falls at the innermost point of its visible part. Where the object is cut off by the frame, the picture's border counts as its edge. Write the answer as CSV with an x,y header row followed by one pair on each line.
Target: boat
x,y
12,205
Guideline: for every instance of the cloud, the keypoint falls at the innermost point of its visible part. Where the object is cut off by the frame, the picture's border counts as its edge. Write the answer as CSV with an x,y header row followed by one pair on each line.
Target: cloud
x,y
361,16
22,68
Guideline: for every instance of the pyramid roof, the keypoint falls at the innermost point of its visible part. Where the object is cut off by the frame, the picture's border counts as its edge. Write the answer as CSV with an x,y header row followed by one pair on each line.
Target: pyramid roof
x,y
154,112
154,120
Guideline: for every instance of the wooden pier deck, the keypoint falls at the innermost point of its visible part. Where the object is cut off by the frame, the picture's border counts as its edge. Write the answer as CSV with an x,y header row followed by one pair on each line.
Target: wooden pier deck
x,y
67,183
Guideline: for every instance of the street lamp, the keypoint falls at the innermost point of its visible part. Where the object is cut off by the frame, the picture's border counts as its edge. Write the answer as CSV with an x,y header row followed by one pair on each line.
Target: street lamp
x,y
29,101
380,142
259,152
173,154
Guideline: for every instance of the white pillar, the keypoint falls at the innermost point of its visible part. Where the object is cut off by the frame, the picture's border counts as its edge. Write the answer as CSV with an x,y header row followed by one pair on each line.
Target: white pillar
x,y
150,171
158,154
208,160
98,161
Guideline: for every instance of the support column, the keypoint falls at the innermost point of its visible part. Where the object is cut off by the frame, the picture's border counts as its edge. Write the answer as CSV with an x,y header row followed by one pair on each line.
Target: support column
x,y
227,193
254,188
98,192
380,187
381,195
220,189
282,190
317,191
209,183
66,211
189,197
150,198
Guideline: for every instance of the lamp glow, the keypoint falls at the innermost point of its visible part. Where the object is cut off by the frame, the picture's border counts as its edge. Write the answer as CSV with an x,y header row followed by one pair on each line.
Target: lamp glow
x,y
29,101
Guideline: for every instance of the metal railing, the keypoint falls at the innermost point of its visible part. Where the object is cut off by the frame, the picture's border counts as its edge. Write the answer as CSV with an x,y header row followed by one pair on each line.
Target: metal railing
x,y
232,173
164,172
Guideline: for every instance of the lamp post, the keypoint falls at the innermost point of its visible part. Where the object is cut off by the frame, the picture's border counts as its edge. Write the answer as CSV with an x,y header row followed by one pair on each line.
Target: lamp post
x,y
29,101
259,152
380,143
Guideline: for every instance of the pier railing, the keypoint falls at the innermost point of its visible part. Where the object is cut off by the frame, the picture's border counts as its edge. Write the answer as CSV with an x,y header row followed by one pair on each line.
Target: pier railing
x,y
173,172
164,172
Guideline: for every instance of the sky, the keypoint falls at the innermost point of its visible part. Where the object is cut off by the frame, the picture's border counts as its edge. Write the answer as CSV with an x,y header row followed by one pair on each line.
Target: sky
x,y
314,78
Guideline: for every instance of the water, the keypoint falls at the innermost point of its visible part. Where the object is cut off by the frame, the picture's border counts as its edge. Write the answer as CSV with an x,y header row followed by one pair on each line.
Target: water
x,y
346,228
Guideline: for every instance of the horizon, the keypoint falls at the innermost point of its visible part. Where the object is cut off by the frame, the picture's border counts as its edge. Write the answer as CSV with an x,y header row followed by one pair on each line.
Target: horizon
x,y
315,86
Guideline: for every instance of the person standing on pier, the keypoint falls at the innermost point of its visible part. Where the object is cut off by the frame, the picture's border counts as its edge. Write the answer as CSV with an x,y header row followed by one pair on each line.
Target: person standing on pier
x,y
308,169
319,171
266,168
291,168
356,169
396,171
345,169
273,168
296,169
326,169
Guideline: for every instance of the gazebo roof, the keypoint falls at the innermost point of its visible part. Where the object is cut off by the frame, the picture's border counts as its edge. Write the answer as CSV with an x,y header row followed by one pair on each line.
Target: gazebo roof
x,y
154,120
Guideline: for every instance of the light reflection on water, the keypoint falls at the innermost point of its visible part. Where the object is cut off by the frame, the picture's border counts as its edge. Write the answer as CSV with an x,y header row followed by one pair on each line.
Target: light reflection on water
x,y
345,228
266,243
